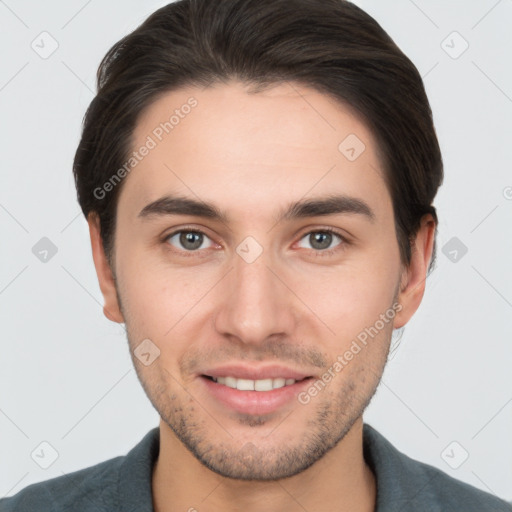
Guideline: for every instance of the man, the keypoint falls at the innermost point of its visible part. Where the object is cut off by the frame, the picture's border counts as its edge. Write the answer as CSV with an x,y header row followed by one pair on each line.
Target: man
x,y
258,179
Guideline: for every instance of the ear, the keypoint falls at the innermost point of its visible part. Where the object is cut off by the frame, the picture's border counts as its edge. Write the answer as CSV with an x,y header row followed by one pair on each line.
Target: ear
x,y
111,307
412,286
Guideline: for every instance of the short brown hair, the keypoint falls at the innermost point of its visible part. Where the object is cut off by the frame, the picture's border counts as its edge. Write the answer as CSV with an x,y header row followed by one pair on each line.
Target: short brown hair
x,y
330,45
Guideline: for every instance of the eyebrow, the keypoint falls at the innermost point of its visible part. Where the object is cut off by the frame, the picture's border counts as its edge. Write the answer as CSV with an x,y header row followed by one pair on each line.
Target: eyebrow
x,y
316,207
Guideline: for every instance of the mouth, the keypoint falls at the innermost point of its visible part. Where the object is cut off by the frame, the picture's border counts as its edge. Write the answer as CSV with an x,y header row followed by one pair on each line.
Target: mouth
x,y
261,396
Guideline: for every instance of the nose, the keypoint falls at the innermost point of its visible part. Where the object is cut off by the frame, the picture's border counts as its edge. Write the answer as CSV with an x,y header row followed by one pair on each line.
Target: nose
x,y
256,302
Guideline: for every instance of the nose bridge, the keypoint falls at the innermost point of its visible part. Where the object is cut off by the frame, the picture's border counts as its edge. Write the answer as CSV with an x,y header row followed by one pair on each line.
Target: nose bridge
x,y
255,305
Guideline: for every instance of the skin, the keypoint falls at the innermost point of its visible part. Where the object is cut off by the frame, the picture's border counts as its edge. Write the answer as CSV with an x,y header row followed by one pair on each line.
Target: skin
x,y
252,155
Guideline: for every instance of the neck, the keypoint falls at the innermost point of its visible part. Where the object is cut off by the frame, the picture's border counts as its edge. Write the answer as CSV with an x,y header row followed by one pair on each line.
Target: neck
x,y
340,481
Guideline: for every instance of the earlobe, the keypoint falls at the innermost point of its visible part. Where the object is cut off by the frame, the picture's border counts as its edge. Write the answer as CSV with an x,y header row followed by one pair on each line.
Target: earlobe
x,y
111,308
412,285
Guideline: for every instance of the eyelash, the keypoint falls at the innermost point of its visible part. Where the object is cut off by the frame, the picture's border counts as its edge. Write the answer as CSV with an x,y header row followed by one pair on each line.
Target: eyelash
x,y
317,253
327,252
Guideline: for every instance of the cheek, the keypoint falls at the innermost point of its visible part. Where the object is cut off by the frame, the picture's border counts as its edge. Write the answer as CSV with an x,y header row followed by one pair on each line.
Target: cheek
x,y
159,299
352,297
144,294
349,311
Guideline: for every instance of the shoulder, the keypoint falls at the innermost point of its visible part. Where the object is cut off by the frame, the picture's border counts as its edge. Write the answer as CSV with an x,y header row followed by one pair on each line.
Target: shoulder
x,y
433,487
407,484
122,483
90,489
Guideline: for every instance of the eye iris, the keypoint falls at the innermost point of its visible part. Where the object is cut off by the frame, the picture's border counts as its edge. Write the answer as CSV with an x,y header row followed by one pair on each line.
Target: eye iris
x,y
324,240
190,237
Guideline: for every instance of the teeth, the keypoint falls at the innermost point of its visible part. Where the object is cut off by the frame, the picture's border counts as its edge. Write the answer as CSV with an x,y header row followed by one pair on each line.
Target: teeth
x,y
279,383
244,384
229,381
263,385
254,385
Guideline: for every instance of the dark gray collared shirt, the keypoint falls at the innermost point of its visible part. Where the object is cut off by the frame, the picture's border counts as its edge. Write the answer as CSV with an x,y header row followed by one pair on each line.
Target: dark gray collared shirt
x,y
124,484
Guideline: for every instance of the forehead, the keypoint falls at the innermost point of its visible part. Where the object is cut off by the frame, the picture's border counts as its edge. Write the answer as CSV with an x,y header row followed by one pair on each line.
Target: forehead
x,y
251,151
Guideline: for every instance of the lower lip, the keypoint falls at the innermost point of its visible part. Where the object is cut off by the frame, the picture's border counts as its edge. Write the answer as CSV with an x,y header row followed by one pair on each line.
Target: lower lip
x,y
254,402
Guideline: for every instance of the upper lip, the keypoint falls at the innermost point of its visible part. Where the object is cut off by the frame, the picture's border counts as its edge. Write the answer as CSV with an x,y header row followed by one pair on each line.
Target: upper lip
x,y
242,371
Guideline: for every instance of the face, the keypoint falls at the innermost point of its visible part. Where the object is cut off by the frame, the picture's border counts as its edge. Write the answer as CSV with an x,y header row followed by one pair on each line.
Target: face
x,y
272,256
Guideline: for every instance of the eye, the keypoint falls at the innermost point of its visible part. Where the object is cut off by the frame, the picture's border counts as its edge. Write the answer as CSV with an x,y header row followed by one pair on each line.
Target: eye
x,y
188,240
321,240
193,240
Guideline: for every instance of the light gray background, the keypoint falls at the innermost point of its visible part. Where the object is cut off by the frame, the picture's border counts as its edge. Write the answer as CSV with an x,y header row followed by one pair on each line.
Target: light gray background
x,y
66,376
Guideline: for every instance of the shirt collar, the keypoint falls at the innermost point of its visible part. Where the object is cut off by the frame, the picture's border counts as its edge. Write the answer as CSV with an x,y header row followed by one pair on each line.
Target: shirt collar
x,y
135,475
394,475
